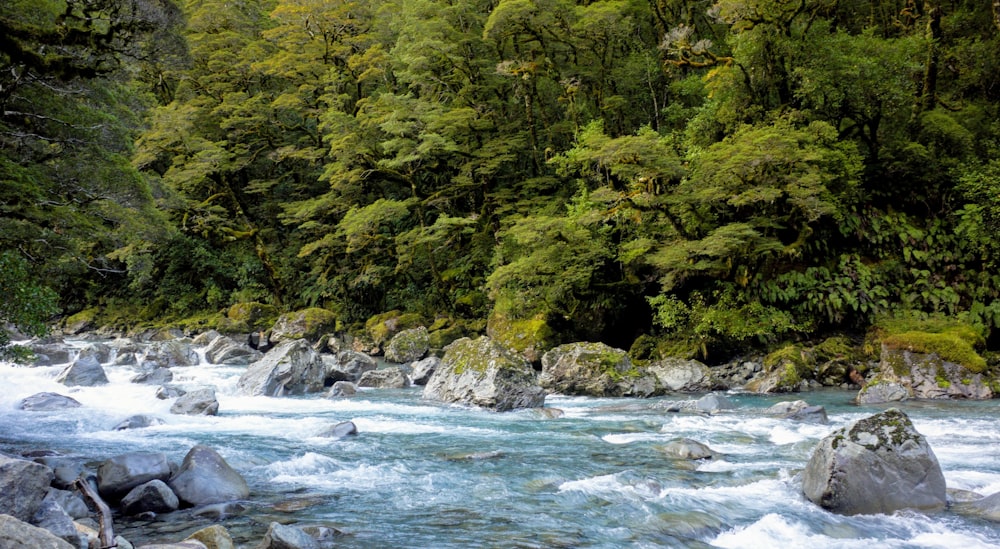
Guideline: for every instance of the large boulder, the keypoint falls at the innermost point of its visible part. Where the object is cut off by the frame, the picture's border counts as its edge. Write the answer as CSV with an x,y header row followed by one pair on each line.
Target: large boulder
x,y
70,502
350,366
54,353
422,370
686,448
483,373
41,402
799,410
878,464
339,430
929,376
200,402
153,497
682,375
531,337
98,351
589,369
878,392
18,534
308,324
157,375
226,350
205,477
23,486
172,354
408,345
83,372
987,508
118,475
57,521
291,368
386,378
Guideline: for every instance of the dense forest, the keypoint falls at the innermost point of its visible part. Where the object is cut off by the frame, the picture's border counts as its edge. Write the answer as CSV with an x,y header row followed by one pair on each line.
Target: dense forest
x,y
672,176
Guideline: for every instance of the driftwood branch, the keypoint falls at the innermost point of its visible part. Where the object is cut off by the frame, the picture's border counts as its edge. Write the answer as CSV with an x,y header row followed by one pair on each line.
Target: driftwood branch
x,y
107,533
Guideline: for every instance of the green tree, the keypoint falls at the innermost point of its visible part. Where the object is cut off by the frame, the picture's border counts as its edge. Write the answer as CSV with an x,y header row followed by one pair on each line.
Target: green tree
x,y
27,305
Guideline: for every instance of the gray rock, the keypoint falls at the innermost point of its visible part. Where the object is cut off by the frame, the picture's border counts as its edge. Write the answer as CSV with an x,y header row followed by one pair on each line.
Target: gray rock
x,y
23,486
484,373
422,370
53,518
408,345
41,402
686,448
56,353
169,391
118,475
713,403
205,477
153,497
680,375
339,430
139,421
126,359
386,378
98,351
280,536
172,354
226,350
291,368
200,402
205,338
927,376
882,391
70,502
350,366
83,372
879,464
588,369
186,544
17,534
155,376
799,410
65,469
341,389
987,508
214,537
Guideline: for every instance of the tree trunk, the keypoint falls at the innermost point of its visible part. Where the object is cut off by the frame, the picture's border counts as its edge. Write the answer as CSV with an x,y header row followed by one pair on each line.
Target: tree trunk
x,y
107,533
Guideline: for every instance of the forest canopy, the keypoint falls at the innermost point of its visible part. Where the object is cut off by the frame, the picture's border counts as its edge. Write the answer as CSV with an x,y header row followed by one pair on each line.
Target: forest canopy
x,y
705,176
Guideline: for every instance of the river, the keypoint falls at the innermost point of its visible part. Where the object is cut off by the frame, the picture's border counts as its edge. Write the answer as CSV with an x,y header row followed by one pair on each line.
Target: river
x,y
423,475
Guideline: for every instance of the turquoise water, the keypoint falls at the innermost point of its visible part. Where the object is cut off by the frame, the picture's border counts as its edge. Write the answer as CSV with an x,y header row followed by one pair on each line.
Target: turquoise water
x,y
424,475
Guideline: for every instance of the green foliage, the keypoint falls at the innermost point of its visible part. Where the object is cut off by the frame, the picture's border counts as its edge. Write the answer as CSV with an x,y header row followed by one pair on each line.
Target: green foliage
x,y
27,305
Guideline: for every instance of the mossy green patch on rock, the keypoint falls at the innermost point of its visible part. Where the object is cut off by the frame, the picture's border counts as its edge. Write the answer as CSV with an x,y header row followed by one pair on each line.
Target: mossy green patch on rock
x,y
950,346
309,324
531,336
81,321
381,327
252,315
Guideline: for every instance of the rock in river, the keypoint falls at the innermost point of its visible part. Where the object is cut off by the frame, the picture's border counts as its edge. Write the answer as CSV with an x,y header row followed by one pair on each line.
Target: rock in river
x,y
484,373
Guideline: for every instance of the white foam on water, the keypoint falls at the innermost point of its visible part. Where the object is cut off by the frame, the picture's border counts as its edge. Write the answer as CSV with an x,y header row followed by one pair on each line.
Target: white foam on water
x,y
614,485
307,464
723,466
629,438
395,426
319,474
950,540
773,530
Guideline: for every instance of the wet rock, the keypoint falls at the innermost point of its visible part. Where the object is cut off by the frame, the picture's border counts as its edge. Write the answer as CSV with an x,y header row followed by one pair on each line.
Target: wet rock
x,y
928,376
422,370
484,373
680,375
41,402
280,536
98,351
713,403
588,369
408,345
881,392
53,518
186,544
340,430
200,402
987,508
54,353
139,421
324,535
65,469
120,474
341,389
291,368
169,391
17,534
205,338
23,486
386,378
686,448
549,413
172,354
83,372
155,376
153,497
219,511
226,350
126,359
350,366
214,537
879,464
69,502
205,477
799,410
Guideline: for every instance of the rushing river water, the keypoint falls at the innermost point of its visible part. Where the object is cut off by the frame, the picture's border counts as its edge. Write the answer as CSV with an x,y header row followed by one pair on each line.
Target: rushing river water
x,y
423,475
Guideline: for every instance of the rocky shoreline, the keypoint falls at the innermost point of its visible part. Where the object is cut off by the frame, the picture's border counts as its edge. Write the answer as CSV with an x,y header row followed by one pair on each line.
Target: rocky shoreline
x,y
45,503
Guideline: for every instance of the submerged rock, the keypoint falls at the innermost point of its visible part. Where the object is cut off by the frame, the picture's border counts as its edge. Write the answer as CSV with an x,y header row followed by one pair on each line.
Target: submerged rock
x,y
987,508
484,373
686,448
340,430
879,464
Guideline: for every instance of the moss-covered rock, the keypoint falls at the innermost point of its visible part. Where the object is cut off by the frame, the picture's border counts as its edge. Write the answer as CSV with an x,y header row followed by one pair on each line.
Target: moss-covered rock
x,y
408,345
309,324
531,337
591,369
81,321
927,375
380,328
252,316
482,372
787,369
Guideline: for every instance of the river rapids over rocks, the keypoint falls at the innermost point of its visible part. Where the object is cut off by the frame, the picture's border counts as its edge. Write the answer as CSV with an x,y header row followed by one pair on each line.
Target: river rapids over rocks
x,y
600,474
